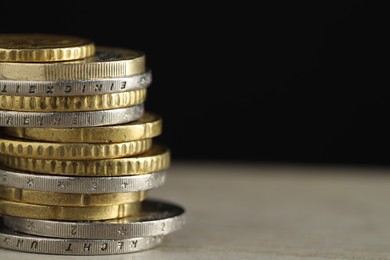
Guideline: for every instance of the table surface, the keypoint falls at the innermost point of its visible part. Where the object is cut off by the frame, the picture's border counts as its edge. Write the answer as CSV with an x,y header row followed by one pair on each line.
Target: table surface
x,y
238,211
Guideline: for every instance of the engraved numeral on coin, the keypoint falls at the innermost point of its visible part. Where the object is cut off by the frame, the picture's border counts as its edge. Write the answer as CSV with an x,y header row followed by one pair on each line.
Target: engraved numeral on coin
x,y
123,85
73,230
4,178
120,245
163,227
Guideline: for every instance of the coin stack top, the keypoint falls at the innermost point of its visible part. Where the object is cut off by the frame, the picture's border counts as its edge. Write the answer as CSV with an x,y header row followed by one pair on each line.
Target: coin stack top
x,y
43,48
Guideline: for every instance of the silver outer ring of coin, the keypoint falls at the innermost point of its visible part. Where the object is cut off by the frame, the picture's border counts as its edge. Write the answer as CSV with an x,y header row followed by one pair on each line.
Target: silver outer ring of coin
x,y
71,119
75,87
81,185
42,245
157,218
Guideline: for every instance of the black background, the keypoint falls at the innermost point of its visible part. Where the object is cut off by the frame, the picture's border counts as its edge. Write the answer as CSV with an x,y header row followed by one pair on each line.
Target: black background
x,y
267,83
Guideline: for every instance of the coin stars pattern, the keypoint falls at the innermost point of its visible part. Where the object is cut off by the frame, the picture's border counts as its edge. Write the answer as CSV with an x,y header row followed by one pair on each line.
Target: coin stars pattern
x,y
30,225
30,182
61,185
122,231
77,185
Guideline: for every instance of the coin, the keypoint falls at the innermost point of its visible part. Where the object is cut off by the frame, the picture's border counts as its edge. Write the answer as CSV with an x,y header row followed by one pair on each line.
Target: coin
x,y
156,218
73,103
68,199
106,63
148,126
43,245
71,119
44,48
87,87
71,151
86,185
17,209
155,159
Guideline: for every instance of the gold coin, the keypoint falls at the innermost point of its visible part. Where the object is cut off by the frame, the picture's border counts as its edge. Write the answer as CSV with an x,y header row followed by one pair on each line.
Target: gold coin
x,y
72,103
72,151
106,63
69,199
154,160
24,210
148,126
44,48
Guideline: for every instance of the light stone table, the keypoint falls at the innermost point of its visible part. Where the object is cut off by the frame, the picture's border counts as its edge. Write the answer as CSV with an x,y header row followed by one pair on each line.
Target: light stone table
x,y
238,211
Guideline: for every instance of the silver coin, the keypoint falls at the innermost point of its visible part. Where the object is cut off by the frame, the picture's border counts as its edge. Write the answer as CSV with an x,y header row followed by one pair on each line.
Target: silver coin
x,y
156,218
70,119
75,87
85,185
34,244
107,62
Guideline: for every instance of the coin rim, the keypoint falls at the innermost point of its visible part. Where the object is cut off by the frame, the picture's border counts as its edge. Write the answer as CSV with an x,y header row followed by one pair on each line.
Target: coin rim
x,y
101,134
84,49
145,225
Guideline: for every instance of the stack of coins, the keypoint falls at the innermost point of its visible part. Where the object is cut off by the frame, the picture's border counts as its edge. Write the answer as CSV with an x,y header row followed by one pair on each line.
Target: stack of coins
x,y
76,149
